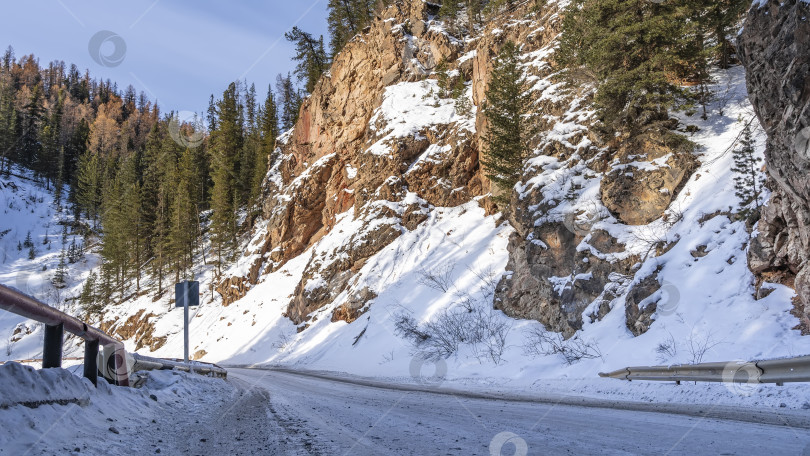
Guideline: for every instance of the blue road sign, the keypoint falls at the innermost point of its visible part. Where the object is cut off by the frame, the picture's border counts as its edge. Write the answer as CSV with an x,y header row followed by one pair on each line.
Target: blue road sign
x,y
188,291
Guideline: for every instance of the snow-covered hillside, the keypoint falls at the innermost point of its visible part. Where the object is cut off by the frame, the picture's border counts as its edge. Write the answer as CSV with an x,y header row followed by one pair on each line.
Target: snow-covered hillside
x,y
710,298
30,212
709,314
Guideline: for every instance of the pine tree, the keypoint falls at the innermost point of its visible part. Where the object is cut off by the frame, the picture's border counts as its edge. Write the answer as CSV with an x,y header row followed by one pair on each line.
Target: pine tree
x,y
509,131
8,114
474,8
60,179
227,143
449,12
347,18
722,19
30,146
747,180
75,146
449,9
59,279
8,122
252,142
113,250
132,226
211,114
75,252
87,298
89,185
630,49
443,79
310,55
183,232
160,183
268,127
341,23
50,142
290,101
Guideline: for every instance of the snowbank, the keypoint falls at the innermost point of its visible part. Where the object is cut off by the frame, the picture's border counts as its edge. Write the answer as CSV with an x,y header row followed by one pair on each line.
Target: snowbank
x,y
52,411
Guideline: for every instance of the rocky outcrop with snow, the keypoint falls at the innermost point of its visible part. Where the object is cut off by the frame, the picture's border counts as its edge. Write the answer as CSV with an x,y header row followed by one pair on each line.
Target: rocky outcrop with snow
x,y
375,138
775,48
564,267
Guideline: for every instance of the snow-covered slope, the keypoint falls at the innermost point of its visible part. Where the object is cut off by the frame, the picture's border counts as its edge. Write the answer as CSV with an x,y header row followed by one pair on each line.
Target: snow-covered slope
x,y
29,210
708,313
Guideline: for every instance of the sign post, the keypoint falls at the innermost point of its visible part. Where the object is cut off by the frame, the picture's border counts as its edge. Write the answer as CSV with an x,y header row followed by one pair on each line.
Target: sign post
x,y
186,294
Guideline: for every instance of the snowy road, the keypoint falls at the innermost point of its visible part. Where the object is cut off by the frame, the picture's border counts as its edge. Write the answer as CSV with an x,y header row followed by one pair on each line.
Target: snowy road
x,y
310,415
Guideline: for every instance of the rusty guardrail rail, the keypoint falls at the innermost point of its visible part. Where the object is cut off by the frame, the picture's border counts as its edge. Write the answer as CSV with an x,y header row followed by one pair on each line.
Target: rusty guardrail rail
x,y
56,323
119,361
778,371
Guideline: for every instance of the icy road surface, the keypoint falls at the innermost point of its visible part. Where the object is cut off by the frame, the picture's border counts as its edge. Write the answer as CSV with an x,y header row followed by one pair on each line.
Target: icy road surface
x,y
326,417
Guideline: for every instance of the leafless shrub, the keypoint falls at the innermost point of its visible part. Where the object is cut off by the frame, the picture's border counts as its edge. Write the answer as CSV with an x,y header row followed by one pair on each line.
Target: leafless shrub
x,y
388,357
468,323
283,342
724,96
698,344
489,278
405,326
667,349
540,342
493,338
650,239
439,278
466,301
673,215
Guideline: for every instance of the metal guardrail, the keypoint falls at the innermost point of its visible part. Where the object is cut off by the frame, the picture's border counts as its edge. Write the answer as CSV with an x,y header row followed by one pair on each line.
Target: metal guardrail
x,y
778,371
118,363
148,363
56,323
145,363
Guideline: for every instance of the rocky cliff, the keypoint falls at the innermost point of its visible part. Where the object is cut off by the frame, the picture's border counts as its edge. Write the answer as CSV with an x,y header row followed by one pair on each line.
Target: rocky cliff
x,y
375,138
775,48
564,265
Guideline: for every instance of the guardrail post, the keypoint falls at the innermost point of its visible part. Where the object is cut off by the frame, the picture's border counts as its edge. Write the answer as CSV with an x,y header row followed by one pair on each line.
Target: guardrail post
x,y
52,350
91,360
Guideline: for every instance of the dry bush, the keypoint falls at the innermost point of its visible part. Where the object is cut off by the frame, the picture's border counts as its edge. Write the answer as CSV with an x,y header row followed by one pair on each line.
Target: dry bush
x,y
540,342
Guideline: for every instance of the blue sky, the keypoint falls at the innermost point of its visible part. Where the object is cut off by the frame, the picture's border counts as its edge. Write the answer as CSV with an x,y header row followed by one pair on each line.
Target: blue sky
x,y
178,52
